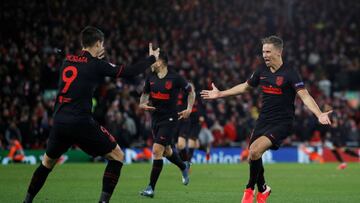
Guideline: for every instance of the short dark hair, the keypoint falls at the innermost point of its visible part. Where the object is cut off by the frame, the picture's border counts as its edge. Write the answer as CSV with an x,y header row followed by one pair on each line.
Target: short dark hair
x,y
275,40
90,35
163,56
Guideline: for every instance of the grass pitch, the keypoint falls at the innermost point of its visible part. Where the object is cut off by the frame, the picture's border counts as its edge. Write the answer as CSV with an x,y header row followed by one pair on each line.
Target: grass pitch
x,y
208,183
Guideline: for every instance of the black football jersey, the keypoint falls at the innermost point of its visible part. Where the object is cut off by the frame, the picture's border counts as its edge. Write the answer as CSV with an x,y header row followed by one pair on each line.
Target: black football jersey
x,y
163,93
278,92
79,76
197,109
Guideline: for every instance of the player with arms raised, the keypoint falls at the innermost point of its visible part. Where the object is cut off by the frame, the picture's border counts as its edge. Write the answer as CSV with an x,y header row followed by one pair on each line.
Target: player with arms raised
x,y
162,89
279,84
73,122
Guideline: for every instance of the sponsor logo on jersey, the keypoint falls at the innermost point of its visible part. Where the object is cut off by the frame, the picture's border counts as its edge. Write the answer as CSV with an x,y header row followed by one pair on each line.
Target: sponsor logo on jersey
x,y
279,80
168,84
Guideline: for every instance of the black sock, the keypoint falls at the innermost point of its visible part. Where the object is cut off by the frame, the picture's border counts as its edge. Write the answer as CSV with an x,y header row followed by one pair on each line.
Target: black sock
x,y
190,154
110,179
183,154
37,181
155,172
175,159
255,167
261,179
337,155
351,153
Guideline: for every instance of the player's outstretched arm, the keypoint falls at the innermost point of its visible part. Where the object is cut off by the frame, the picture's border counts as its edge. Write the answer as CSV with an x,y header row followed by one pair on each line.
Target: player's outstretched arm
x,y
309,101
190,100
140,67
144,100
216,93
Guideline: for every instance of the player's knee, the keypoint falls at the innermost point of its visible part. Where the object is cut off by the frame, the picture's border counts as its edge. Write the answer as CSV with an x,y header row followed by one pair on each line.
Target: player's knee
x,y
181,145
116,154
48,162
168,151
192,143
254,154
157,153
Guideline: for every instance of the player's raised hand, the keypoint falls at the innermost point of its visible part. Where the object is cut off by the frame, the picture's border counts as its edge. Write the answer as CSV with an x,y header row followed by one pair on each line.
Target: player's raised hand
x,y
324,118
210,94
184,114
153,52
101,55
146,107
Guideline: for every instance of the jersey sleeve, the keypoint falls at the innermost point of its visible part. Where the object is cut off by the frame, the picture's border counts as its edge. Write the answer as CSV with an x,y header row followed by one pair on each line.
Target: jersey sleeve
x,y
296,81
112,70
146,89
109,69
254,79
183,84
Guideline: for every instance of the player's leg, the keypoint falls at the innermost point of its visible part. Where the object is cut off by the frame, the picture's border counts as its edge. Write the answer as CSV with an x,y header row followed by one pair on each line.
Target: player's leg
x,y
181,147
57,145
96,140
337,155
350,152
183,129
39,177
112,173
192,146
168,133
193,139
158,151
256,150
174,158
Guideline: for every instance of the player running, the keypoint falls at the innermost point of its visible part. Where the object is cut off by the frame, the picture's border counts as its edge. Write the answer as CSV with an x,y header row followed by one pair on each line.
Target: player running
x,y
161,89
279,84
73,122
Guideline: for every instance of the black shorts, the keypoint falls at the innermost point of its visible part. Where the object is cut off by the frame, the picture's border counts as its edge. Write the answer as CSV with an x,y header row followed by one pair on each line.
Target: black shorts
x,y
183,128
92,138
276,132
189,129
194,131
164,130
338,141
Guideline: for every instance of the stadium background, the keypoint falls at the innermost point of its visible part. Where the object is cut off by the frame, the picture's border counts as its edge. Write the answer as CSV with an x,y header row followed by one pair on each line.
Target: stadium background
x,y
208,41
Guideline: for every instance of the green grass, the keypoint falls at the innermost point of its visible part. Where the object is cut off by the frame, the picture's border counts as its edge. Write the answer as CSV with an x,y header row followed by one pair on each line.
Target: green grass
x,y
209,183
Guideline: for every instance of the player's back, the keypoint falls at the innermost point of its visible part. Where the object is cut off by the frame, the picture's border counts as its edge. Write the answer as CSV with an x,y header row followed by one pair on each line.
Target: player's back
x,y
79,76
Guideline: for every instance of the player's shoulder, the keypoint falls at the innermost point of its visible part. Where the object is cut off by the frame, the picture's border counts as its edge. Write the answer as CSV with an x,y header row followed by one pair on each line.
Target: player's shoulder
x,y
150,76
261,68
172,74
290,69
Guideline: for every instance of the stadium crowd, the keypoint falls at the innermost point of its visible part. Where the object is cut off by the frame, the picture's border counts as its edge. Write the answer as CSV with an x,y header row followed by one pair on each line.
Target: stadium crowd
x,y
207,41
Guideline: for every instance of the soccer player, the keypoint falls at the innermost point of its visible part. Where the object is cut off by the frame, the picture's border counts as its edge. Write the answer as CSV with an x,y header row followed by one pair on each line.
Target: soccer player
x,y
337,143
73,122
161,89
188,130
279,84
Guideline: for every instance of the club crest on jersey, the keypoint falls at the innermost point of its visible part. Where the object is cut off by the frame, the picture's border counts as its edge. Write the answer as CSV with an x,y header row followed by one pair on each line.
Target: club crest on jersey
x,y
279,80
168,85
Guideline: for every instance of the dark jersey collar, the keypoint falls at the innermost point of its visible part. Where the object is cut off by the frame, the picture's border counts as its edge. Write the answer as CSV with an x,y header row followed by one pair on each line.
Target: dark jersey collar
x,y
86,54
